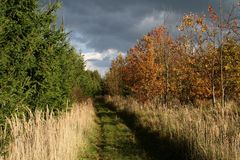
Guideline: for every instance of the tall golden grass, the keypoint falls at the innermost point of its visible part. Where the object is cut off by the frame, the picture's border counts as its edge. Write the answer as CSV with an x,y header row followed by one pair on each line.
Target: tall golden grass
x,y
210,133
45,137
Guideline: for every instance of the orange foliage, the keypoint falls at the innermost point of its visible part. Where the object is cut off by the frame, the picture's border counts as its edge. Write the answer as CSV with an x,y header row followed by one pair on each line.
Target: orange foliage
x,y
188,67
114,82
141,71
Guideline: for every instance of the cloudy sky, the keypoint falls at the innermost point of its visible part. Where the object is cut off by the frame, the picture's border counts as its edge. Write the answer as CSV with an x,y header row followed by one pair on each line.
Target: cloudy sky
x,y
103,28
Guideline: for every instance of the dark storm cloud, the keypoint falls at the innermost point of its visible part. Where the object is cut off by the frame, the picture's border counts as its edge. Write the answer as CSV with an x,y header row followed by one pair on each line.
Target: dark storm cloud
x,y
112,23
99,25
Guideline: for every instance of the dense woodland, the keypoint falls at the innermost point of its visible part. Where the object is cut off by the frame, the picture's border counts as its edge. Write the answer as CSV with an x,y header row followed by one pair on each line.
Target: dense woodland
x,y
199,65
38,66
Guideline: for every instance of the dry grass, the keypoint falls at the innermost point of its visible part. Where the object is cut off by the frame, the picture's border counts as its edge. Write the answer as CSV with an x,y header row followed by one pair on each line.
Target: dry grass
x,y
213,133
45,137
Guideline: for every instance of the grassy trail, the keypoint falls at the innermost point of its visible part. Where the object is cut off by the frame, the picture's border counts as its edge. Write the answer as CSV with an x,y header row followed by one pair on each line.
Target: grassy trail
x,y
119,136
117,141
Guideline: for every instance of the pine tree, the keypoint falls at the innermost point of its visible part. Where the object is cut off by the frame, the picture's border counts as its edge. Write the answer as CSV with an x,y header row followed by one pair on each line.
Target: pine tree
x,y
38,66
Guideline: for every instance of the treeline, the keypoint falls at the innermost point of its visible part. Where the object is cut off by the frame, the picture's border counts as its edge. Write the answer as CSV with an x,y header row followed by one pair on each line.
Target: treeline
x,y
38,66
201,64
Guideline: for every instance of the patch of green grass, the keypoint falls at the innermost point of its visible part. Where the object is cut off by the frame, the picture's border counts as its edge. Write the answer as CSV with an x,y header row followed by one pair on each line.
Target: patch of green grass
x,y
91,150
117,140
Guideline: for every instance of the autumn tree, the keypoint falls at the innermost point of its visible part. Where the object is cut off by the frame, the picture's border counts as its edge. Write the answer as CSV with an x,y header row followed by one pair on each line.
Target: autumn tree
x,y
148,66
193,42
225,25
231,56
167,54
114,77
142,74
200,65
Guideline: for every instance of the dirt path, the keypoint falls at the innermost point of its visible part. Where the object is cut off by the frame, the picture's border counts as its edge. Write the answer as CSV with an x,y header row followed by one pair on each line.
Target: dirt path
x,y
117,141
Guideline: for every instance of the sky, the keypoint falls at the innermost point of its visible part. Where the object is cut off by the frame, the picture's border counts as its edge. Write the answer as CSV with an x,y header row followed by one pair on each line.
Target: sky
x,y
101,29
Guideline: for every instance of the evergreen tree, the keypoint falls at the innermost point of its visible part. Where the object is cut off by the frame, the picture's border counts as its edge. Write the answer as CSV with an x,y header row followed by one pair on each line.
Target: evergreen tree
x,y
38,66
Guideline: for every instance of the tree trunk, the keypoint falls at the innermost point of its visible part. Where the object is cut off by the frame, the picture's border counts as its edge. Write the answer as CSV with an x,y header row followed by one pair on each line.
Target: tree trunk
x,y
221,56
